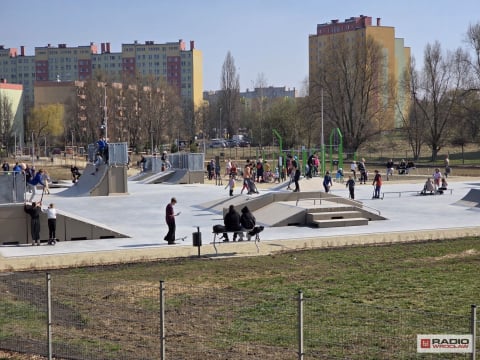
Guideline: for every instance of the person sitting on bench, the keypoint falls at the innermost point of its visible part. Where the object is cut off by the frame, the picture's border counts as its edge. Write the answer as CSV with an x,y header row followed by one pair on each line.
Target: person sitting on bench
x,y
247,220
428,188
232,223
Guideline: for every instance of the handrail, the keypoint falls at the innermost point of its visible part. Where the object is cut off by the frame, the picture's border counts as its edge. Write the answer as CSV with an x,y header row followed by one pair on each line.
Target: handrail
x,y
356,204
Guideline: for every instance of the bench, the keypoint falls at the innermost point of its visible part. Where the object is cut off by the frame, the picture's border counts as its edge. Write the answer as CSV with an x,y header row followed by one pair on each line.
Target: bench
x,y
238,232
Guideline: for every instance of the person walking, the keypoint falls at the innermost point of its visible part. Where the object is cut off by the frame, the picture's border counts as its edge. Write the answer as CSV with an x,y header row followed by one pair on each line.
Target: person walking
x,y
34,211
170,220
327,182
377,183
52,223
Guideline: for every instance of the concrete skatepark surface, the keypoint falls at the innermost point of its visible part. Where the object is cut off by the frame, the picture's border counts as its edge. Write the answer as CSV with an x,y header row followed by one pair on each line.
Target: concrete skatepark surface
x,y
140,214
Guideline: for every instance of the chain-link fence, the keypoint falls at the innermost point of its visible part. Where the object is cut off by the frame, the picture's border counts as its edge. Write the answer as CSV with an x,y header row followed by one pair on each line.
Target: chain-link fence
x,y
81,317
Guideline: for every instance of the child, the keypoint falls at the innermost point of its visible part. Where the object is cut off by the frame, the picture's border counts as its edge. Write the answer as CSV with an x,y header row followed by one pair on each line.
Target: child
x,y
351,187
377,183
231,184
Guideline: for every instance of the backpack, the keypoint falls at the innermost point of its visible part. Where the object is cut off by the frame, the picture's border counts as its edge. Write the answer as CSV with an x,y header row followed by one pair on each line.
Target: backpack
x,y
219,229
256,230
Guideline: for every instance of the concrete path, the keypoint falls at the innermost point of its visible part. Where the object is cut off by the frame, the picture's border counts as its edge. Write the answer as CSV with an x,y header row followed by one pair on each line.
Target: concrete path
x,y
140,214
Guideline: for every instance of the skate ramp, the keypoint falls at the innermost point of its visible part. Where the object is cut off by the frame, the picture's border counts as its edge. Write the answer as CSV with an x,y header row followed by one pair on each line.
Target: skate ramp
x,y
172,176
155,178
16,227
471,199
101,181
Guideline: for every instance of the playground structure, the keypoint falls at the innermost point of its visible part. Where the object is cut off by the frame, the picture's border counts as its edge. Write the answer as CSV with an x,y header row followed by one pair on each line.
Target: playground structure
x,y
335,142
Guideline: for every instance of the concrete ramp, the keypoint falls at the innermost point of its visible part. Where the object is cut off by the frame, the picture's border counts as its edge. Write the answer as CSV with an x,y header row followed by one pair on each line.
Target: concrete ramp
x,y
471,199
159,177
16,227
101,181
280,214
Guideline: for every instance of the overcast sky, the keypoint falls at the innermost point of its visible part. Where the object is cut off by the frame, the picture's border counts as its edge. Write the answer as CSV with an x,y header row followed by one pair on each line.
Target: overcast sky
x,y
268,37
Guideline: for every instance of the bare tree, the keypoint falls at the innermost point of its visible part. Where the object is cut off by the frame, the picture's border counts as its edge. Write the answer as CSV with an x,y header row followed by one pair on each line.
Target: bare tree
x,y
6,120
355,88
440,84
230,96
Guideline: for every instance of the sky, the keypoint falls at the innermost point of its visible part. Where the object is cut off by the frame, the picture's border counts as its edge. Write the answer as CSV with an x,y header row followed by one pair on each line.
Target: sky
x,y
267,38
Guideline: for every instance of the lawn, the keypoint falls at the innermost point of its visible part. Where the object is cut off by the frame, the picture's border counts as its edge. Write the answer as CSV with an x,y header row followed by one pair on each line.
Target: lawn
x,y
246,307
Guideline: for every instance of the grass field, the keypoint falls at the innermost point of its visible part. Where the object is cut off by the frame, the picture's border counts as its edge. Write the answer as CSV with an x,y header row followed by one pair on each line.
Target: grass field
x,y
440,277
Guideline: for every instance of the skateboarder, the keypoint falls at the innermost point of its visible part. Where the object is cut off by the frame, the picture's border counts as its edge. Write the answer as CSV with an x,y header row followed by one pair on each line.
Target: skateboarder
x,y
170,220
34,211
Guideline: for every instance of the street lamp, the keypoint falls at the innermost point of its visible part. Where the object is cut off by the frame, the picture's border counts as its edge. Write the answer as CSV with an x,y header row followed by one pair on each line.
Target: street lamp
x,y
220,123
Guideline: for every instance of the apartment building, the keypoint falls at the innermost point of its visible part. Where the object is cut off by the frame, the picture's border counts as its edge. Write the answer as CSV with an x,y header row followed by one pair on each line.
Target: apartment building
x,y
182,68
13,93
357,30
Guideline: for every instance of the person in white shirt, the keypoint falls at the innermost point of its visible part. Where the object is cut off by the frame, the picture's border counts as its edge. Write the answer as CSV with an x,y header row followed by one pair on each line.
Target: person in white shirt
x,y
52,223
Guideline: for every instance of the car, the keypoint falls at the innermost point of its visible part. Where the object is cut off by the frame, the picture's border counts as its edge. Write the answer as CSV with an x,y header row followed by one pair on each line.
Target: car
x,y
244,143
232,143
218,143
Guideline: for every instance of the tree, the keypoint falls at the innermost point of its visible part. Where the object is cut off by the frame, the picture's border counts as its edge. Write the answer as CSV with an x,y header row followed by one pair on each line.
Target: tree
x,y
46,121
440,85
351,75
230,96
6,120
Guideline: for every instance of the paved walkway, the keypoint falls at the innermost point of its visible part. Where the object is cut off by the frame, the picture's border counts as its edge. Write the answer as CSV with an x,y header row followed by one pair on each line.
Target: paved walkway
x,y
140,214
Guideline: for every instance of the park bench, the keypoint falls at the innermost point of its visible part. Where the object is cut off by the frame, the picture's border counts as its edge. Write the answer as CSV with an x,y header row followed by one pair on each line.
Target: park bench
x,y
217,233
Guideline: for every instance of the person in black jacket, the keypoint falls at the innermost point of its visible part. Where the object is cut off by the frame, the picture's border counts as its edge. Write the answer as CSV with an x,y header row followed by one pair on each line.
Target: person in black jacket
x,y
34,211
247,220
232,223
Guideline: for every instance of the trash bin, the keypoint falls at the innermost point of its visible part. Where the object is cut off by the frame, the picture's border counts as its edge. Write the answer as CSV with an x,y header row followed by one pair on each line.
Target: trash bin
x,y
197,238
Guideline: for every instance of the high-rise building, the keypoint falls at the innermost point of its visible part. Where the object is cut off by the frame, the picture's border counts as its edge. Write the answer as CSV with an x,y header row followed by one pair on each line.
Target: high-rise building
x,y
357,30
13,94
172,62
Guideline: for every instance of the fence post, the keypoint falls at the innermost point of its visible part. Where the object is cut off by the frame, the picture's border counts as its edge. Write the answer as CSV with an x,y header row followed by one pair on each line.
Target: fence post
x,y
300,325
474,330
162,320
49,315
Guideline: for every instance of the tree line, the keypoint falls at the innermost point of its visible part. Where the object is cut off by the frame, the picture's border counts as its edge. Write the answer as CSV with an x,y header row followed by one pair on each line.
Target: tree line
x,y
431,106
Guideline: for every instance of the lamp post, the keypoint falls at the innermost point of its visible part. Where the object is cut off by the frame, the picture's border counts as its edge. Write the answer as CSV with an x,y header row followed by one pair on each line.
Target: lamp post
x,y
323,139
220,125
105,117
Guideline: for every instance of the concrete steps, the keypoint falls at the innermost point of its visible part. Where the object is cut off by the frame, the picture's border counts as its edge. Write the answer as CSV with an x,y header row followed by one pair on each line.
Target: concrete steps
x,y
335,217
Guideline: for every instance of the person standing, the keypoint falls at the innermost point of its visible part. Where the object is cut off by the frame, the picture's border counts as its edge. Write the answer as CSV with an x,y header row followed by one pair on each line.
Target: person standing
x,y
46,181
351,187
389,168
363,171
377,183
34,211
447,166
353,169
231,185
5,166
52,223
296,177
327,182
170,220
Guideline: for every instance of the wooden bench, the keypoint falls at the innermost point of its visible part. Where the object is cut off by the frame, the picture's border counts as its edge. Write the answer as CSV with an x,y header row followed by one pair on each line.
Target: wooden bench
x,y
238,232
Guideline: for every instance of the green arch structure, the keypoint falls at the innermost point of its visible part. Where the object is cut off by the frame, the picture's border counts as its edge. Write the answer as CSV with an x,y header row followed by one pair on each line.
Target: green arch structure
x,y
340,148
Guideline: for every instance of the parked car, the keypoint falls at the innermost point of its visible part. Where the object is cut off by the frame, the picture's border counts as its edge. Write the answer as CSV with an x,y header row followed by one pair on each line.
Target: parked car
x,y
232,143
218,143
